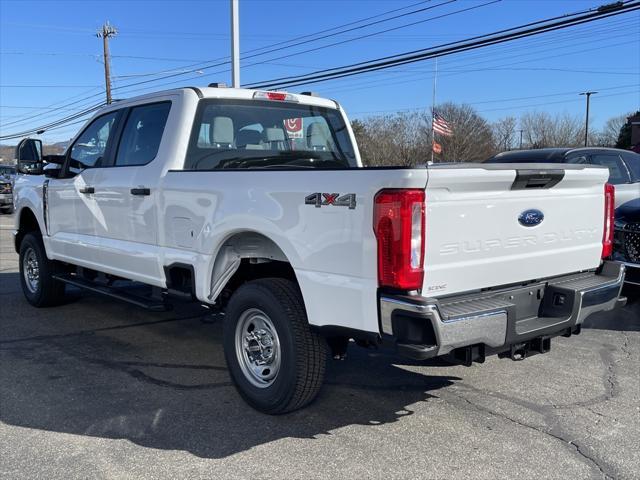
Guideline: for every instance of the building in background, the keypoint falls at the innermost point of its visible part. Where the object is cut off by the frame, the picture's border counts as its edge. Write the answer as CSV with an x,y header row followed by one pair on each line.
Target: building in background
x,y
634,121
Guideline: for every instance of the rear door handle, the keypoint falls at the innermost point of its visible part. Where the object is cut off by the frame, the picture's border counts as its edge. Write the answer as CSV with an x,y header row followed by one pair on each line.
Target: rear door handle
x,y
140,191
87,190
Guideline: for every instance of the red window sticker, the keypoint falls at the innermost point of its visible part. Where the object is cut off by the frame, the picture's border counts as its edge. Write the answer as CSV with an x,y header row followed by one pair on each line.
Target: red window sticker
x,y
293,127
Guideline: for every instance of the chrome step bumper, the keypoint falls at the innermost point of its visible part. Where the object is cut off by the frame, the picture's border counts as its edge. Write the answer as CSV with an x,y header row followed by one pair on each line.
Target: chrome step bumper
x,y
424,327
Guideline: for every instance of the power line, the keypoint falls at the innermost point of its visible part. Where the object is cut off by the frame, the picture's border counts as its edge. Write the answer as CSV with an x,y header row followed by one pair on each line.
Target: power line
x,y
495,38
374,83
541,26
59,105
509,99
224,60
58,108
307,37
629,92
289,41
514,28
523,44
47,86
58,122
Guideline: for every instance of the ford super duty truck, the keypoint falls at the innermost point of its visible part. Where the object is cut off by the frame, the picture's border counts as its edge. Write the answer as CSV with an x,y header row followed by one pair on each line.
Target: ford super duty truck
x,y
257,203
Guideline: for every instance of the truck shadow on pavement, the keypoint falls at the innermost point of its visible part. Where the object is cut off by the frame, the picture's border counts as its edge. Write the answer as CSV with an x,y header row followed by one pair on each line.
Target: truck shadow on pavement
x,y
624,320
104,369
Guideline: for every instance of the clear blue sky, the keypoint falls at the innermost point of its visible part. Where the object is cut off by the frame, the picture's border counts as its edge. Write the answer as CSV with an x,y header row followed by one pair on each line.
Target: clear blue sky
x,y
49,54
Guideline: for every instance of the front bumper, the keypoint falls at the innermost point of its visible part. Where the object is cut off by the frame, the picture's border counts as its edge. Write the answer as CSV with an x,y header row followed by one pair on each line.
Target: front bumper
x,y
496,321
6,199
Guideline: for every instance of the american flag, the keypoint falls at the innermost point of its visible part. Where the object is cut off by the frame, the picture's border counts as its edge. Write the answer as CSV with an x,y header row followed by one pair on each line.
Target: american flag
x,y
441,126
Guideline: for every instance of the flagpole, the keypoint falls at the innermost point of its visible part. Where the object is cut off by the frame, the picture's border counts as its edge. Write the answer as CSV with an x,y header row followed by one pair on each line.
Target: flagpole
x,y
433,109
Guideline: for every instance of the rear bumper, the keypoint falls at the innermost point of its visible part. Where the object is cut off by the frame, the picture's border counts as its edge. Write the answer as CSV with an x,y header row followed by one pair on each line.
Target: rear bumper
x,y
632,273
496,321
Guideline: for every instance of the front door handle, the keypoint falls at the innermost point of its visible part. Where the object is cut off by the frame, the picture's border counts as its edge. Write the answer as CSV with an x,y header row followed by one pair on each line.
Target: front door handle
x,y
87,190
140,191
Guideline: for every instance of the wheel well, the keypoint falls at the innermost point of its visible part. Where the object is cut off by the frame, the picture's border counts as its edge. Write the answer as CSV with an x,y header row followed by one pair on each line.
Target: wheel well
x,y
247,256
28,223
251,270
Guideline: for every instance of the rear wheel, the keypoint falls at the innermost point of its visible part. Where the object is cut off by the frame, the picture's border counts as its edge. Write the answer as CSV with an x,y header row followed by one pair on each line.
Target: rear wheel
x,y
275,360
36,274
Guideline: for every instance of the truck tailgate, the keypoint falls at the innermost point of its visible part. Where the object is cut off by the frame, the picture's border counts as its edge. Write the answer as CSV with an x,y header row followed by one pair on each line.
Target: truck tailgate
x,y
477,235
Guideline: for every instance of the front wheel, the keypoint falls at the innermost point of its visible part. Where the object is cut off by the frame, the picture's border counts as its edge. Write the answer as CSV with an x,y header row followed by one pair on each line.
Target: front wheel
x,y
36,274
275,360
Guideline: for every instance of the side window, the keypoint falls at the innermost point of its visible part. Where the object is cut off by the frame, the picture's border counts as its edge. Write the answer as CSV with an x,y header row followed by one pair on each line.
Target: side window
x,y
89,149
577,159
633,164
617,171
142,134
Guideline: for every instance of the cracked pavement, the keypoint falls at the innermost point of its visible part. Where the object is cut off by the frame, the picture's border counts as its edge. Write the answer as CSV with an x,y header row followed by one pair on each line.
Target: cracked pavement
x,y
100,389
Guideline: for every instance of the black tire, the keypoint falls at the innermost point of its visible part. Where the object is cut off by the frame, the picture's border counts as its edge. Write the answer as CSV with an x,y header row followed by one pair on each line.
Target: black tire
x,y
303,353
48,291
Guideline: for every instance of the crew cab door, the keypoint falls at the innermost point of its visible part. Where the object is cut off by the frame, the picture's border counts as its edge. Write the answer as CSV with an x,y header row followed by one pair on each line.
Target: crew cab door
x,y
73,213
126,195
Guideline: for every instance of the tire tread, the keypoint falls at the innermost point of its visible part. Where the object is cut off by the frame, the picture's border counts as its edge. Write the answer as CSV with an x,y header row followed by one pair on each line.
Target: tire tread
x,y
51,290
310,348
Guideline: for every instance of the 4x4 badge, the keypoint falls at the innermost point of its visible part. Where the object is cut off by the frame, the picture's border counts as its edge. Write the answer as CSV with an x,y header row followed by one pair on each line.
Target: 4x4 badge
x,y
335,199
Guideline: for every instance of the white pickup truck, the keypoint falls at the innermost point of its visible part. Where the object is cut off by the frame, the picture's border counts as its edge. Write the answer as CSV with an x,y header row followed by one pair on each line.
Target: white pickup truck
x,y
257,203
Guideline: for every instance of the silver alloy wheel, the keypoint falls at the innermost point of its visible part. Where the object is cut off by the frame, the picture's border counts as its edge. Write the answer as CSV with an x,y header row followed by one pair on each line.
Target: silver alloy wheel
x,y
31,270
257,347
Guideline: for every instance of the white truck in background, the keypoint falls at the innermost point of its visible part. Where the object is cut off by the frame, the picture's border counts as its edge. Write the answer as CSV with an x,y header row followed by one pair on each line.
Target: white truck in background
x,y
257,203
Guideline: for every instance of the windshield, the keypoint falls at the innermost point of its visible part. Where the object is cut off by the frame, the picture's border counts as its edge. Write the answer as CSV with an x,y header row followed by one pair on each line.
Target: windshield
x,y
7,171
230,134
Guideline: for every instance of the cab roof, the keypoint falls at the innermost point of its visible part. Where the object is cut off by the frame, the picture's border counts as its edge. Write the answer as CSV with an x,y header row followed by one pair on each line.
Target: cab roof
x,y
233,93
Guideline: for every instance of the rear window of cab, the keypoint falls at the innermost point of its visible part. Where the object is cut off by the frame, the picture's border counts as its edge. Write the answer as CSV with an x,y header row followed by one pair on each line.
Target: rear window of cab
x,y
251,134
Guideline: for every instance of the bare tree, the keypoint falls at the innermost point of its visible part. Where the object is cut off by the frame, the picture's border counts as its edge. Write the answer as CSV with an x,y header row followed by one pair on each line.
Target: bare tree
x,y
609,134
472,138
543,130
397,139
405,138
504,133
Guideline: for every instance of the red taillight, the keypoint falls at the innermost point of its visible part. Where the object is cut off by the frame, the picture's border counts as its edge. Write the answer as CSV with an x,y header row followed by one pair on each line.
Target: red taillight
x,y
609,215
398,222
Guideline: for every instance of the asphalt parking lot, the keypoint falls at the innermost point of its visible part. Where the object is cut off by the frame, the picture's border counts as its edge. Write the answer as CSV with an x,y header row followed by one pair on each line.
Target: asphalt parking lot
x,y
99,389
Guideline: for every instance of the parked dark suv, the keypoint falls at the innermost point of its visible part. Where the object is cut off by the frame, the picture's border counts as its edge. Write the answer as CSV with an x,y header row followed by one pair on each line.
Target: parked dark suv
x,y
627,239
624,165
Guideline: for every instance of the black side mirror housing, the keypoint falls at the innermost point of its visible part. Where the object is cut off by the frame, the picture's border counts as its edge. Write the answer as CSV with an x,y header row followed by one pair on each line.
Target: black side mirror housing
x,y
29,156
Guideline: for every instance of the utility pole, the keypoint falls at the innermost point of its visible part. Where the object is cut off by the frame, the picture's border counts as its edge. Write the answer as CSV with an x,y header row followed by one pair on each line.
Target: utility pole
x,y
520,138
235,45
106,32
586,123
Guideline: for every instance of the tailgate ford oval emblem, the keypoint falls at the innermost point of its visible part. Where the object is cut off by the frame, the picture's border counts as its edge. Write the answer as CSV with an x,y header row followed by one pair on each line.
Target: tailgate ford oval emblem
x,y
531,218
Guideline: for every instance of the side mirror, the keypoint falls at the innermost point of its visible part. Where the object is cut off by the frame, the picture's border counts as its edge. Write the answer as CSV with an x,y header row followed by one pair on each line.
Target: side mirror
x,y
29,156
